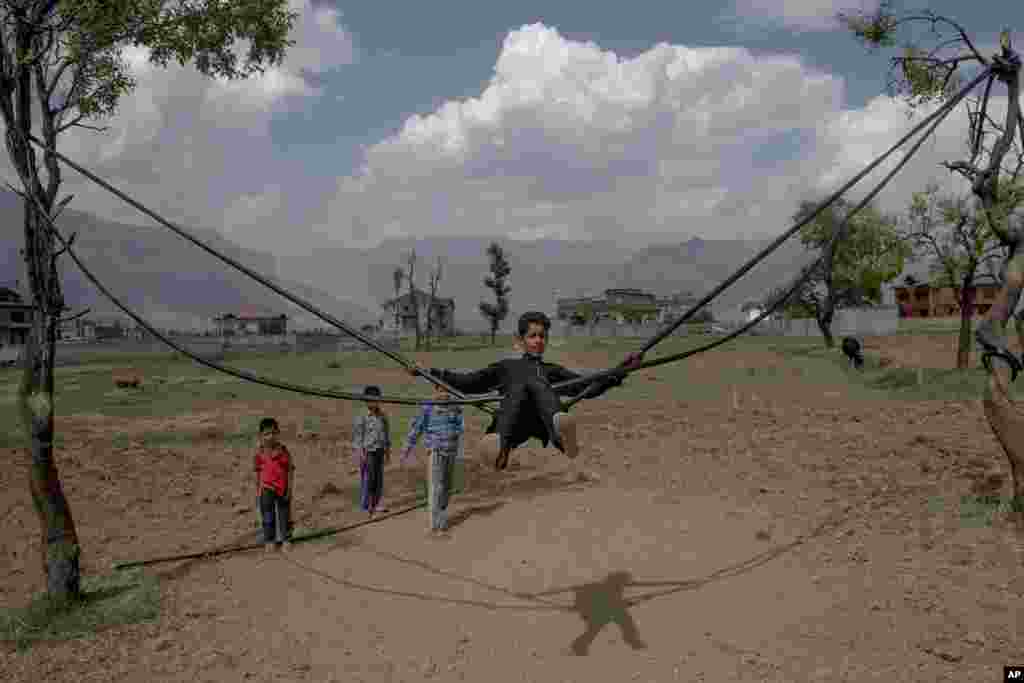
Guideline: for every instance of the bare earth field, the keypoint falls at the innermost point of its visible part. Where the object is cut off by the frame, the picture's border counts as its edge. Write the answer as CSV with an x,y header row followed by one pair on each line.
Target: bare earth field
x,y
754,514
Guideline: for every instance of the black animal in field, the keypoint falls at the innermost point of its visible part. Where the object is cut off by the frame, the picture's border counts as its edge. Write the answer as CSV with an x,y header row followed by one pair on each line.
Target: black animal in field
x,y
851,348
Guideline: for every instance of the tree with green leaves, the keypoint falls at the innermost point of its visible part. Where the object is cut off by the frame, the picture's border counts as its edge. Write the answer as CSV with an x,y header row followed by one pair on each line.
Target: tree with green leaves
x,y
852,269
496,281
928,71
959,243
61,67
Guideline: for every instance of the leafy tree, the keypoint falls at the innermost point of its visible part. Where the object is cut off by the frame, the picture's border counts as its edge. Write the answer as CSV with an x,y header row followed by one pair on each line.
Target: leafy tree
x,y
959,242
495,281
61,67
853,270
929,71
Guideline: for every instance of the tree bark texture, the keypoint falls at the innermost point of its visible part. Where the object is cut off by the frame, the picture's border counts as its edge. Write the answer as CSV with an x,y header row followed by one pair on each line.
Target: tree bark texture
x,y
963,349
1007,423
59,549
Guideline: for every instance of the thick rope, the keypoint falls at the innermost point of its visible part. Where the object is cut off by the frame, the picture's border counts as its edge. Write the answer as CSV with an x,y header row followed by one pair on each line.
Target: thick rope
x,y
301,303
588,379
235,372
933,120
253,546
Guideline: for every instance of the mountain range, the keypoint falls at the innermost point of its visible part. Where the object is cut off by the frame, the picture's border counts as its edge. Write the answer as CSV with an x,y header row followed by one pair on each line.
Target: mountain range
x,y
166,279
175,284
544,270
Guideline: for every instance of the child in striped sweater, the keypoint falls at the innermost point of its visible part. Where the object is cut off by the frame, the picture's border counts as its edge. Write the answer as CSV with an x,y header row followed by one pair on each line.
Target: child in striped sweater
x,y
444,427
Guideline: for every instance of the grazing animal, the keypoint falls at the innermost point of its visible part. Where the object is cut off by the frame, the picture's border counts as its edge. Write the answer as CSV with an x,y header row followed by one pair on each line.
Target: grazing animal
x,y
851,347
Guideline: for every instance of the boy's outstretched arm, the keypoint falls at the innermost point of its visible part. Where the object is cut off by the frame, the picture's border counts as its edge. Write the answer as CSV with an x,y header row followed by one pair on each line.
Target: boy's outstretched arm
x,y
477,382
562,374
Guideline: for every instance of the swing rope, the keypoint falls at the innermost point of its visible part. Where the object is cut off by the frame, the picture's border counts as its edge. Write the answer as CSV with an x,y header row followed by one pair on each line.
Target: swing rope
x,y
298,301
589,380
932,120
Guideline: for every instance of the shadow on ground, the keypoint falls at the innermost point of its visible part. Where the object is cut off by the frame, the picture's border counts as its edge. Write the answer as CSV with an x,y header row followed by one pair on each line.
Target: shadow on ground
x,y
597,603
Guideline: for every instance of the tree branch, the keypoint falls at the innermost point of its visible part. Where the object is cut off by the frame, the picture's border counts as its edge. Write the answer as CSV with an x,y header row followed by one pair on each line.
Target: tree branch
x,y
76,316
71,240
976,147
77,123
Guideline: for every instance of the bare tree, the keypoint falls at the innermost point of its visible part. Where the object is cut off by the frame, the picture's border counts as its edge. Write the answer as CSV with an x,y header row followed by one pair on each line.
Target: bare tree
x,y
61,67
414,300
925,74
435,280
959,244
397,277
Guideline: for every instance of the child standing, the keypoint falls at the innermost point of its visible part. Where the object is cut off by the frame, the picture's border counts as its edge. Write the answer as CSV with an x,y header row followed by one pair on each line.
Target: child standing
x,y
531,406
274,476
443,426
371,442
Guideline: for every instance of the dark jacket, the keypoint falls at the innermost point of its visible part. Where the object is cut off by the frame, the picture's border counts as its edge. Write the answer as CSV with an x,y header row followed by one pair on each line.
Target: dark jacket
x,y
517,419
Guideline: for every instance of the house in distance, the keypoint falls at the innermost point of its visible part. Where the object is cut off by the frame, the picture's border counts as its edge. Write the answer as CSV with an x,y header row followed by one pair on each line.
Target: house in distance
x,y
442,313
251,323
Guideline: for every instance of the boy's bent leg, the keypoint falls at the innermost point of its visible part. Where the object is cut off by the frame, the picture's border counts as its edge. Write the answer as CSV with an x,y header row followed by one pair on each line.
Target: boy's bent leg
x,y
494,446
561,426
491,450
565,426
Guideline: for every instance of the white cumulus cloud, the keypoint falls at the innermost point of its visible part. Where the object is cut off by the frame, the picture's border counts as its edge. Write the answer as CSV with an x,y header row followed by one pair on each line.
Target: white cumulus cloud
x,y
197,149
572,141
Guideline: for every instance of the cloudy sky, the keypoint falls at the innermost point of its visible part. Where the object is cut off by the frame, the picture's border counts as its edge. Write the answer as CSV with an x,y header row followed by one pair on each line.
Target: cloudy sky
x,y
563,118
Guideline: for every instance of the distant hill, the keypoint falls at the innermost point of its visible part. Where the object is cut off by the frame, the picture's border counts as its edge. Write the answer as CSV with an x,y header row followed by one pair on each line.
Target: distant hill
x,y
544,269
178,285
166,279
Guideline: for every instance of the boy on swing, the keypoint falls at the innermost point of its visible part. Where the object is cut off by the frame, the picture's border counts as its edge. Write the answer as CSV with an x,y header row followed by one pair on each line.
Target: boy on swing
x,y
531,407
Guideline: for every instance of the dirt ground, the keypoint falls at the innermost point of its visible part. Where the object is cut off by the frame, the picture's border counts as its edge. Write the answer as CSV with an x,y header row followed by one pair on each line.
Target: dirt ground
x,y
786,534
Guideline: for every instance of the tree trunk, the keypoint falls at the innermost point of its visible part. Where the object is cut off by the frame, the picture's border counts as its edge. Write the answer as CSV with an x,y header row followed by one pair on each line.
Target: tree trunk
x,y
1007,423
59,549
963,349
430,317
824,320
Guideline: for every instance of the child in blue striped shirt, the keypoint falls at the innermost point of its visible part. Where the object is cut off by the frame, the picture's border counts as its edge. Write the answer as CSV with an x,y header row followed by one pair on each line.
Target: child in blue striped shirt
x,y
444,427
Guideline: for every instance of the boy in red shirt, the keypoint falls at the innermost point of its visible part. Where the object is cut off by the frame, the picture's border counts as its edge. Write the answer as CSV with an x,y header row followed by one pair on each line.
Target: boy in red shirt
x,y
274,469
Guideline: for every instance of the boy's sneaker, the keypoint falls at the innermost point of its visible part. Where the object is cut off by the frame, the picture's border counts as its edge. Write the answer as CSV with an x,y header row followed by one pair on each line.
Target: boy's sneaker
x,y
565,425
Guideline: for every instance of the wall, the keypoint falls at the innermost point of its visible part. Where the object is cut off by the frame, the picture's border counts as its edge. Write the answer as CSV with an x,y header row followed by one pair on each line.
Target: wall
x,y
870,321
609,328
